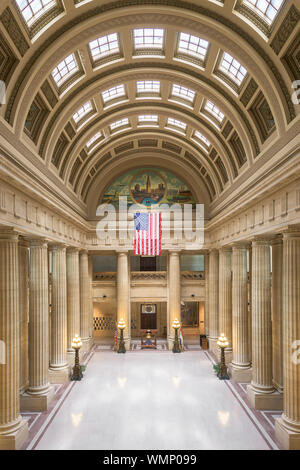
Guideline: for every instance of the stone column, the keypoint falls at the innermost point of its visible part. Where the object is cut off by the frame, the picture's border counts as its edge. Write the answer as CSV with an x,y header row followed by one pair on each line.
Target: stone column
x,y
174,294
261,393
123,295
85,307
225,298
213,300
13,429
24,314
91,299
240,367
73,300
59,368
39,394
277,262
288,426
206,311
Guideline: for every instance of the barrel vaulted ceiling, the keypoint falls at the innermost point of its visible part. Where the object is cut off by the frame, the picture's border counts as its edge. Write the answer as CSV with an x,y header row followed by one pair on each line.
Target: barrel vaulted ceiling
x,y
202,88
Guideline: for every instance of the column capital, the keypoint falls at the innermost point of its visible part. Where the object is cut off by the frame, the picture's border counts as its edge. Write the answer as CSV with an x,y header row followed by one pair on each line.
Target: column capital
x,y
9,234
38,242
24,242
213,249
57,246
261,241
226,248
277,240
240,245
175,252
120,252
73,249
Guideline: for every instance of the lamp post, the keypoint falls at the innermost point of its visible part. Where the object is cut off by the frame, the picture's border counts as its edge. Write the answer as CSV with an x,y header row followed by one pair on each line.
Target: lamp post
x,y
76,345
176,346
121,326
223,343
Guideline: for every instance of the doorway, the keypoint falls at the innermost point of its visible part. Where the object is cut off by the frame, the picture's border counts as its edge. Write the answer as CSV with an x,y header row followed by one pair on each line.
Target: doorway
x,y
147,263
148,317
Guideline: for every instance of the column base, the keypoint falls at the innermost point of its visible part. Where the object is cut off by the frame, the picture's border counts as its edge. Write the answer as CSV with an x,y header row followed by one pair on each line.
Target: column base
x,y
264,401
213,347
239,374
60,376
289,439
87,343
32,402
15,439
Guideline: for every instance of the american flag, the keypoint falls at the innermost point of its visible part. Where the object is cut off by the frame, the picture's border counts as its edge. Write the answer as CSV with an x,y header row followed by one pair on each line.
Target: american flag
x,y
147,239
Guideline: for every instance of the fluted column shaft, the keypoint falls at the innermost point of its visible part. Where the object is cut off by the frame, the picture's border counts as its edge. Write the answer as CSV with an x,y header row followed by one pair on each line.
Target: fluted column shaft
x,y
24,312
206,311
288,426
225,295
58,357
240,342
84,299
261,318
13,430
73,296
38,318
123,294
213,297
91,296
277,262
174,290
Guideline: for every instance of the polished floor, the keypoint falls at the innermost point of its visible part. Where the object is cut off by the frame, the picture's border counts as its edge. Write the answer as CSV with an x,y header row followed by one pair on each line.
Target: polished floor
x,y
150,400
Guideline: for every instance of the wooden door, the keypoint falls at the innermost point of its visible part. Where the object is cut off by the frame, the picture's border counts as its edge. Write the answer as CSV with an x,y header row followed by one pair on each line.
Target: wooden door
x,y
148,317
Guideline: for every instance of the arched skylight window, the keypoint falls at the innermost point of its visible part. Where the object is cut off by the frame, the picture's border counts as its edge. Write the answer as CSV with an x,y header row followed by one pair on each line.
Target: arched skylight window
x,y
183,92
176,123
202,138
267,9
148,118
148,38
120,123
113,93
32,10
232,68
104,46
82,111
214,110
148,86
93,139
192,45
65,69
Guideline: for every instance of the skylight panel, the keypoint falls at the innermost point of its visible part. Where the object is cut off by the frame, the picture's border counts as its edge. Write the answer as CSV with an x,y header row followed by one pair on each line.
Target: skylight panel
x,y
232,68
113,93
148,38
148,118
148,86
82,111
176,123
104,46
202,138
65,69
267,9
32,10
93,139
183,92
120,123
214,110
193,46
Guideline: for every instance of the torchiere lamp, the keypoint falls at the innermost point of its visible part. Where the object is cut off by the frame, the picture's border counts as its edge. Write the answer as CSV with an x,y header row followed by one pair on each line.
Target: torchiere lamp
x,y
121,326
76,345
223,343
176,346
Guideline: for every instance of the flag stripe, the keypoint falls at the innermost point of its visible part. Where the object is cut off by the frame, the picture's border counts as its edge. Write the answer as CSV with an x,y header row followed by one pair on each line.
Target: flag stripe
x,y
147,239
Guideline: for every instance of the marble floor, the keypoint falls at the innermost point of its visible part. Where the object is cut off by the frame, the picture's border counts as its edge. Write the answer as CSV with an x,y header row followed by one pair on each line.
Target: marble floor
x,y
150,400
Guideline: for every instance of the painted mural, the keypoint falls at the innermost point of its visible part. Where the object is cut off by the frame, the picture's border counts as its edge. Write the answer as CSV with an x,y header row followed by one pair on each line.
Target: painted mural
x,y
148,187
